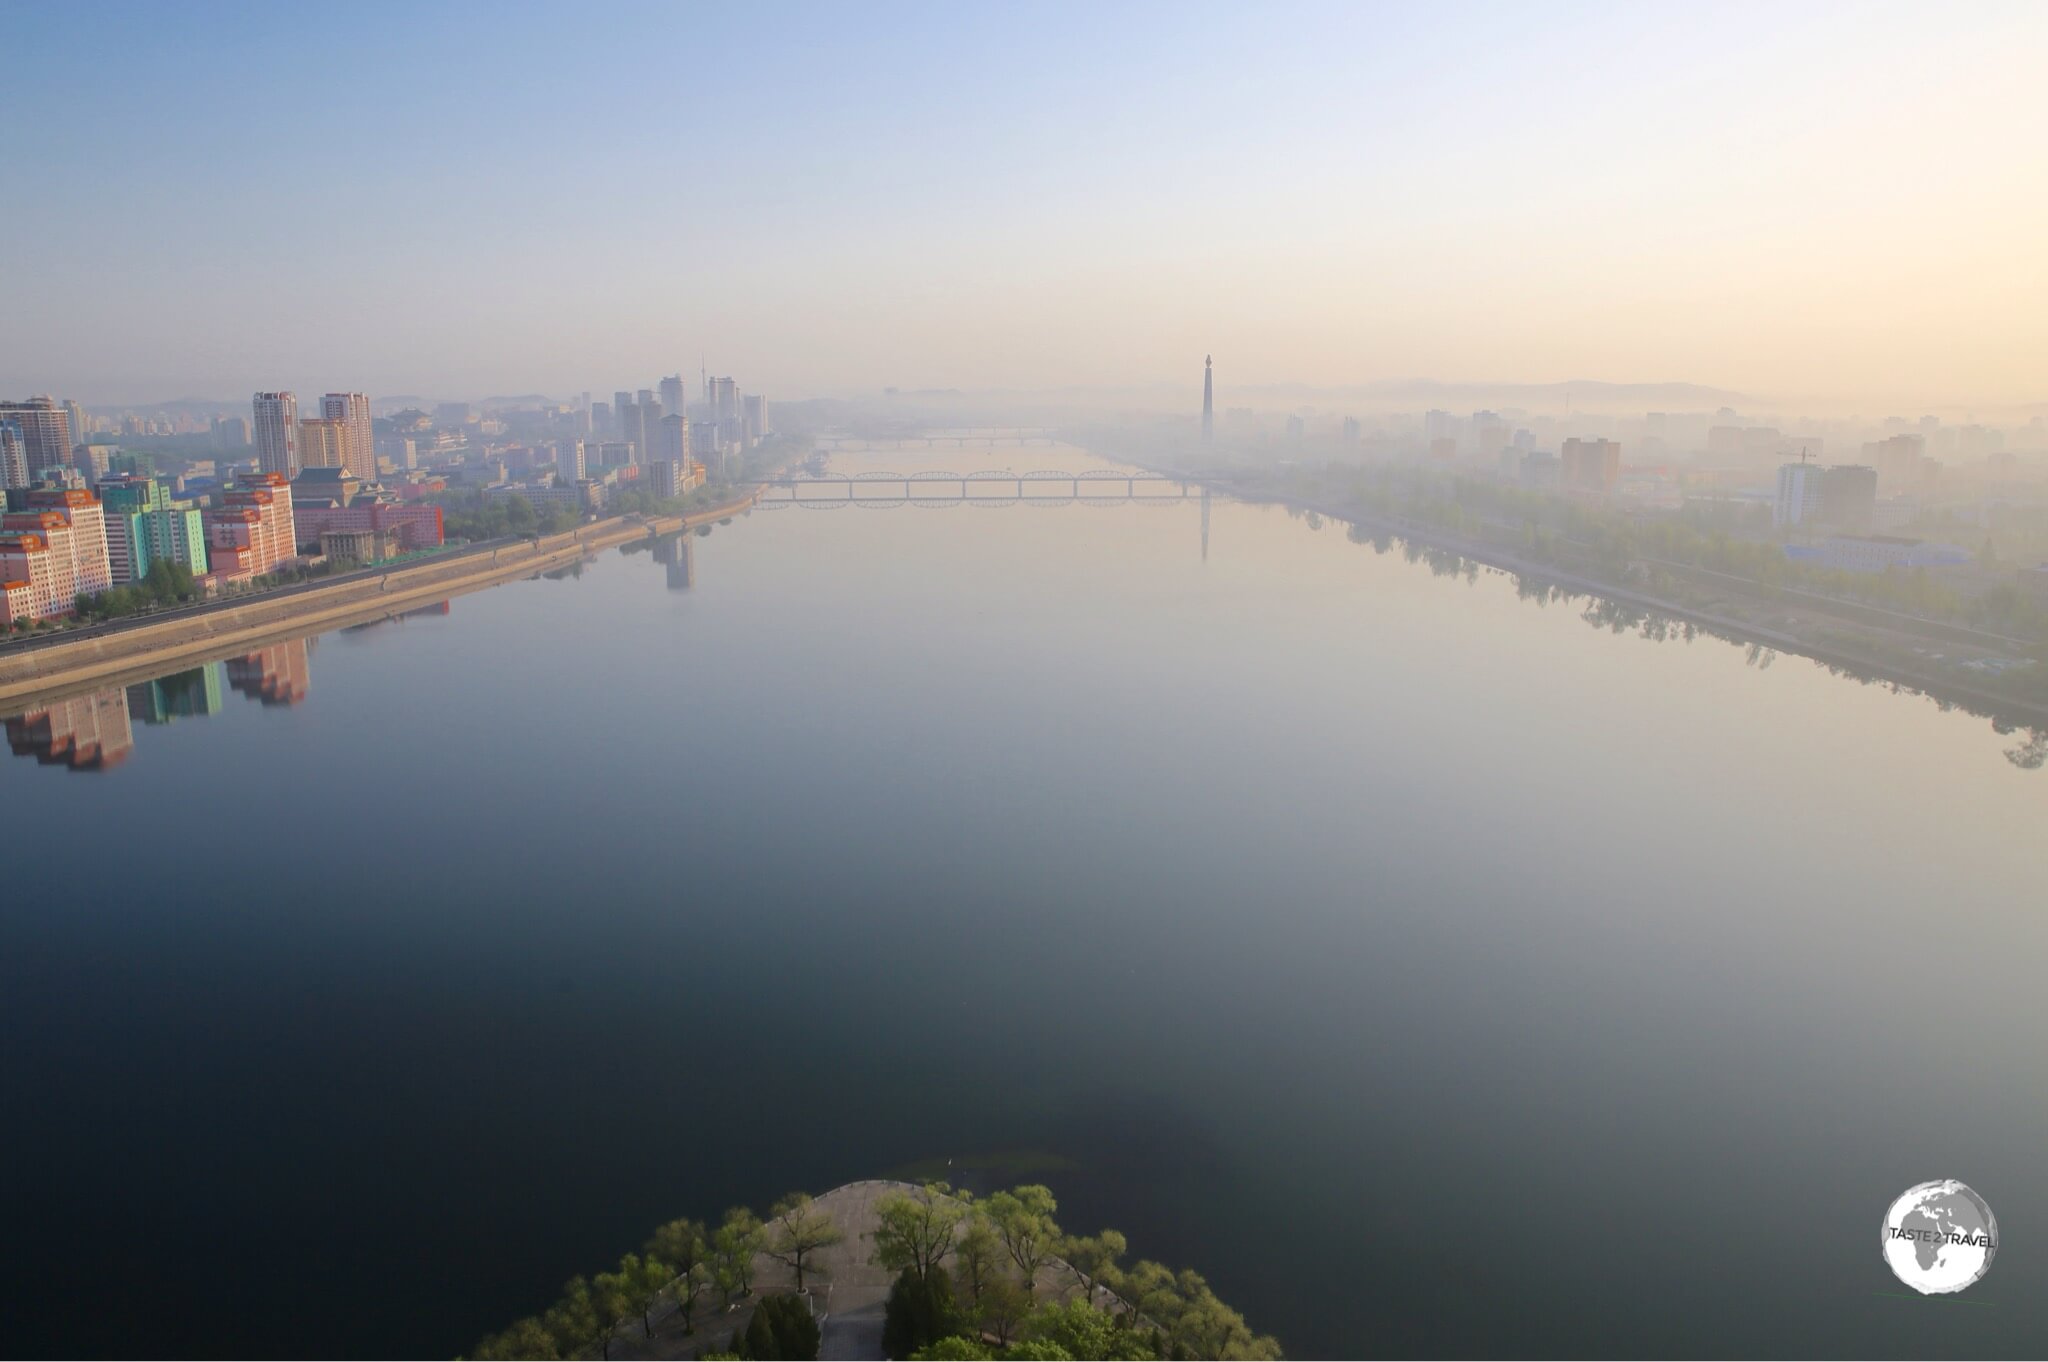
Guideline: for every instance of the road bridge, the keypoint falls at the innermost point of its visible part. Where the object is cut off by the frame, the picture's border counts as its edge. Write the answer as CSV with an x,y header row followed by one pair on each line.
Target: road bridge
x,y
987,486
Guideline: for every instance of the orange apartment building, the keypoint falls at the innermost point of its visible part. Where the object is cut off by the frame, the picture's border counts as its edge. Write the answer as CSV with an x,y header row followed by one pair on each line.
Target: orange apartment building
x,y
251,532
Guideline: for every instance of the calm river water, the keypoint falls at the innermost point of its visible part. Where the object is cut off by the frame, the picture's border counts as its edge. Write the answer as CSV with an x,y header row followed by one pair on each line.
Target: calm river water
x,y
1436,971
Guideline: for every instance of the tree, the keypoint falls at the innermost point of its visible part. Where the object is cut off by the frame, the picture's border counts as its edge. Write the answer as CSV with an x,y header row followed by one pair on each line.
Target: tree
x,y
1093,1258
528,1338
1003,1307
975,1256
954,1349
782,1327
732,1254
680,1246
1036,1350
643,1280
1023,1221
798,1230
917,1228
1191,1320
167,581
572,1320
920,1311
1147,1289
1084,1331
611,1296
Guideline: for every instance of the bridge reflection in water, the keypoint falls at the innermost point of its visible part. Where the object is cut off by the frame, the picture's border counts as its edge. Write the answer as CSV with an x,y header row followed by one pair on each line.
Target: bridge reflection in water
x,y
882,491
985,487
961,438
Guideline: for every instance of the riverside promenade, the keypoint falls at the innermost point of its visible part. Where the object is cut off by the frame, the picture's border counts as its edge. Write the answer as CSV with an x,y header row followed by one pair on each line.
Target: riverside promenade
x,y
58,665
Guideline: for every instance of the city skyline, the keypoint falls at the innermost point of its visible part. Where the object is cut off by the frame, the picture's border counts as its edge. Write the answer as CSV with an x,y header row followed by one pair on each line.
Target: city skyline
x,y
1826,204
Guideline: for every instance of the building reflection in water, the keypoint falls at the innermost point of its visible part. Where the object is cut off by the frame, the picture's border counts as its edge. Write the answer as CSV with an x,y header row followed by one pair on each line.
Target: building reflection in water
x,y
278,675
95,732
398,617
85,733
192,694
678,553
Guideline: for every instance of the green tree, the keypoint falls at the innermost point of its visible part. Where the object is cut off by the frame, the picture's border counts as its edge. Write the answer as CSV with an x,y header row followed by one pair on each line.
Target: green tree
x,y
1191,1320
1094,1258
167,582
733,1247
527,1338
611,1297
572,1320
782,1327
681,1246
1036,1350
920,1311
955,1349
917,1228
976,1255
644,1280
1023,1221
1083,1331
798,1230
1003,1307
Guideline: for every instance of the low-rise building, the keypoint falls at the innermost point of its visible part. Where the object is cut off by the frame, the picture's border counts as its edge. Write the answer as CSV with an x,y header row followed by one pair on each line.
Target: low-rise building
x,y
359,548
584,496
1876,552
324,482
417,524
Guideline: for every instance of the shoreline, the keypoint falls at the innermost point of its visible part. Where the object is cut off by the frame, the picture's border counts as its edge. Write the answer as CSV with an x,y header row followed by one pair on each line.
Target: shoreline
x,y
151,646
1943,690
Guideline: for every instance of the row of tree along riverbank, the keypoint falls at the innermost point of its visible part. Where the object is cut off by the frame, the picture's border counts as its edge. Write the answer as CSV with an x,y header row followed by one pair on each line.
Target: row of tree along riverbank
x,y
1987,654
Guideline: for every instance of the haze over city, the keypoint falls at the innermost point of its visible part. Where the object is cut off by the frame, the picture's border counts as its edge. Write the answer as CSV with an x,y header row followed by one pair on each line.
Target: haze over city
x,y
1022,683
1828,205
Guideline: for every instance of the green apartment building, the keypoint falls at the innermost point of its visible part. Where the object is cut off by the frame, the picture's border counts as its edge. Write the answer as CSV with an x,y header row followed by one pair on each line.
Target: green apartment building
x,y
145,525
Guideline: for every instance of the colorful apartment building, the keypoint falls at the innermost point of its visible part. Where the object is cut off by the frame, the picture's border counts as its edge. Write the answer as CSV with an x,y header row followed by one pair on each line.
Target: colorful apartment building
x,y
85,544
177,535
124,500
52,553
31,583
251,532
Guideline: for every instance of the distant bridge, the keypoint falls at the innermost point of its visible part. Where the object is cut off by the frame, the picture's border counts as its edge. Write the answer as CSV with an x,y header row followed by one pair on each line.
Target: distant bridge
x,y
927,439
984,487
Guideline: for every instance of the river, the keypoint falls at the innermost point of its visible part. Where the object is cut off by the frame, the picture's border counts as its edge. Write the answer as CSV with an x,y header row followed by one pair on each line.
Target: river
x,y
1438,968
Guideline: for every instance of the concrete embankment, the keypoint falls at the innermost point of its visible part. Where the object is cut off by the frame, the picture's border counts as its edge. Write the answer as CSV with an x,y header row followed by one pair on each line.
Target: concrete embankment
x,y
150,648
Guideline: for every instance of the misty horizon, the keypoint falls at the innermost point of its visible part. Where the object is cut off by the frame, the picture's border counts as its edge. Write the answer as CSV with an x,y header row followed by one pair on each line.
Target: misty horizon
x,y
1828,207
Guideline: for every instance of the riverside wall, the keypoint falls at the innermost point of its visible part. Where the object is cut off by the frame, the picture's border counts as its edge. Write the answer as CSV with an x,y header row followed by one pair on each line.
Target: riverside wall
x,y
152,647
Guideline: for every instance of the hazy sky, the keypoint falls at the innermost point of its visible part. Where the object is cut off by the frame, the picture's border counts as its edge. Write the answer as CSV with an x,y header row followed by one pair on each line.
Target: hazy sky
x,y
1797,200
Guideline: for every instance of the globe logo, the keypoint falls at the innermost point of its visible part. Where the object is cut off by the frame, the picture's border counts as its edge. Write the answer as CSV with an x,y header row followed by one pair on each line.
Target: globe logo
x,y
1939,1237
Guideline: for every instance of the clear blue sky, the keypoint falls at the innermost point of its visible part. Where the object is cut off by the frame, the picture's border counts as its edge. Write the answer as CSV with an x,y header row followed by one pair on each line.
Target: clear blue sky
x,y
461,200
